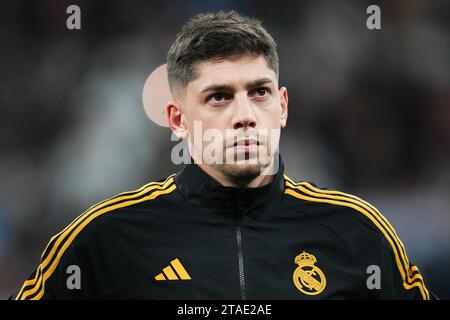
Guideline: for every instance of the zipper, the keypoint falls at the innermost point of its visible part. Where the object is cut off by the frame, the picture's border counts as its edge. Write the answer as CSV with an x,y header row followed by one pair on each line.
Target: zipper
x,y
240,251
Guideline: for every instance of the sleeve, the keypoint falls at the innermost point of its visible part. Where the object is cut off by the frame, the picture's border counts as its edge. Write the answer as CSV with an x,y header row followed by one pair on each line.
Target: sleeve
x,y
58,275
381,254
407,281
400,279
66,270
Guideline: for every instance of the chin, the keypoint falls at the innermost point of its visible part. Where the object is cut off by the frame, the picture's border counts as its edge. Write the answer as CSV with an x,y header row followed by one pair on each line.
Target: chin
x,y
241,173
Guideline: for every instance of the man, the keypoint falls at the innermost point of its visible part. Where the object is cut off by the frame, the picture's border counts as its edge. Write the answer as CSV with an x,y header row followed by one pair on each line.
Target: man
x,y
230,225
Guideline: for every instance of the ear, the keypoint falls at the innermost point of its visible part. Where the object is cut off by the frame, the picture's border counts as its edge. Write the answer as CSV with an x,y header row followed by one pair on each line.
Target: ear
x,y
175,118
284,106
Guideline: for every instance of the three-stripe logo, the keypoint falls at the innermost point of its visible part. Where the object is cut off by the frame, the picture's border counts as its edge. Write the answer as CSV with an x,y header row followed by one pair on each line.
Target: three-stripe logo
x,y
174,271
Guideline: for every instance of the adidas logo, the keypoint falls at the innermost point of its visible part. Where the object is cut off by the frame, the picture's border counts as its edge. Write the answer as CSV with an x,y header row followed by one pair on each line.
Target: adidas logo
x,y
169,273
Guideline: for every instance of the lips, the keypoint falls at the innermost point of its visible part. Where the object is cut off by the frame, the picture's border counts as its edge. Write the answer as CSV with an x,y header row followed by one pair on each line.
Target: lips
x,y
246,142
246,146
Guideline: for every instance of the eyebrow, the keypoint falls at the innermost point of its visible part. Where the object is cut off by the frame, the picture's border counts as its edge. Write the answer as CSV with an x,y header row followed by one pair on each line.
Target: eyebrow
x,y
229,87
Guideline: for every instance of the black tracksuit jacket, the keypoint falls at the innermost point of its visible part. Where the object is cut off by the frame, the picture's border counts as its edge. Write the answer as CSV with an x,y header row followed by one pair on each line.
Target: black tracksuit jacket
x,y
188,237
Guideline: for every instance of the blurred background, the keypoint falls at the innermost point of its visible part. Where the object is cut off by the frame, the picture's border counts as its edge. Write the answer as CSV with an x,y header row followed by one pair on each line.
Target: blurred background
x,y
369,112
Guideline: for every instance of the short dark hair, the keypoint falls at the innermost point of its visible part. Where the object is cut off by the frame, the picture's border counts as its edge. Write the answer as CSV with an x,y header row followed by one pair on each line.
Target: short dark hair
x,y
218,36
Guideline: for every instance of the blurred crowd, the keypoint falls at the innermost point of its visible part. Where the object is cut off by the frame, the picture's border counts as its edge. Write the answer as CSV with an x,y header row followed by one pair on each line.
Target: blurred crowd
x,y
369,112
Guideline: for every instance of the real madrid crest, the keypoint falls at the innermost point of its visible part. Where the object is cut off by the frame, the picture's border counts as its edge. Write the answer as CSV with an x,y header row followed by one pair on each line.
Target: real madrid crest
x,y
308,278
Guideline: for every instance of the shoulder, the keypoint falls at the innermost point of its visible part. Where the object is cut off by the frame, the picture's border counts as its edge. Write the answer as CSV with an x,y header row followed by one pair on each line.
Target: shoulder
x,y
130,209
342,209
359,223
147,200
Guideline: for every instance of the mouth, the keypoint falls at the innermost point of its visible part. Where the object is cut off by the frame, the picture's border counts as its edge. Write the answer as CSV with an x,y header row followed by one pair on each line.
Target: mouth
x,y
246,145
246,142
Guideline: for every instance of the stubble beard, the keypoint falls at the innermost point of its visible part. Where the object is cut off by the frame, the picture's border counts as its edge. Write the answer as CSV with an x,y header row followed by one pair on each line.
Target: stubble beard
x,y
241,173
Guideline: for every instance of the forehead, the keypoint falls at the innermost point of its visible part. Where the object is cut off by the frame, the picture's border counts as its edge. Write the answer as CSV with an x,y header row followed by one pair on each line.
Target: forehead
x,y
237,71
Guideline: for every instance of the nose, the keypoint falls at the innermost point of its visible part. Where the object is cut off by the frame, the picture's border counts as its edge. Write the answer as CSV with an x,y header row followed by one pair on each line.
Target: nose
x,y
243,113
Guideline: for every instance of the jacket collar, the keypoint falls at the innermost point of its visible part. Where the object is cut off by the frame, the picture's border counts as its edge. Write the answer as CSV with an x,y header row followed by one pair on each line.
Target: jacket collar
x,y
200,189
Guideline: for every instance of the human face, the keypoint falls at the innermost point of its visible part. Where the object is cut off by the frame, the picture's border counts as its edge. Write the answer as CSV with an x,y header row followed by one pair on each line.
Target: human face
x,y
239,100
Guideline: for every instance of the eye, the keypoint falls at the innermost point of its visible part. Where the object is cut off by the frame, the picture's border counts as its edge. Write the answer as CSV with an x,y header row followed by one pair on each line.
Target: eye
x,y
261,92
217,97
